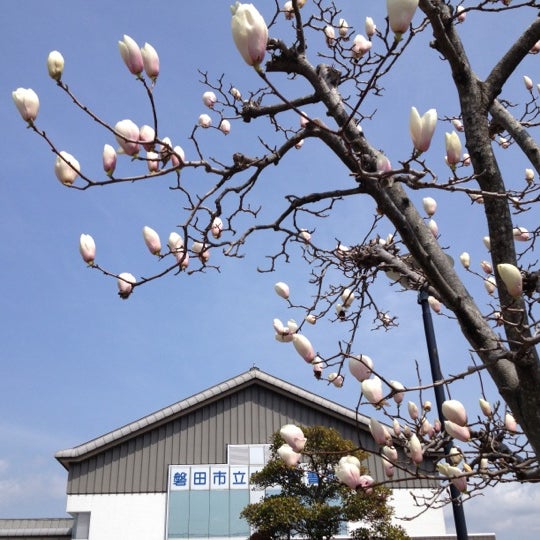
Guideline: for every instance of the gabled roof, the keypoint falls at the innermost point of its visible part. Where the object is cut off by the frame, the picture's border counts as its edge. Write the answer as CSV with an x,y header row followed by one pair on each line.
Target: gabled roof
x,y
253,376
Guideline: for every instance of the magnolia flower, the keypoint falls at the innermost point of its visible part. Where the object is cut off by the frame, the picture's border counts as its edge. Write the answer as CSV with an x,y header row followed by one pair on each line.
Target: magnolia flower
x,y
293,436
152,241
150,61
205,121
383,163
200,250
453,149
250,33
433,227
434,304
109,159
335,379
455,474
512,279
87,249
292,326
415,449
485,407
360,367
529,175
288,455
348,472
178,156
396,427
398,396
311,319
55,65
217,227
430,205
209,99
458,124
461,14
486,267
412,408
379,432
454,411
370,27
366,481
152,160
235,93
360,46
390,453
510,423
527,82
131,55
27,103
400,14
455,456
422,128
330,34
125,284
521,234
282,289
343,28
372,390
66,168
347,297
465,259
303,347
461,433
225,126
288,9
175,242
490,285
147,137
126,133
388,467
487,242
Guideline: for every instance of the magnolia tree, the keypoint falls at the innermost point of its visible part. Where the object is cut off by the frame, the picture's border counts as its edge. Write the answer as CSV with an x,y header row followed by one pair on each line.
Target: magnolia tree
x,y
328,93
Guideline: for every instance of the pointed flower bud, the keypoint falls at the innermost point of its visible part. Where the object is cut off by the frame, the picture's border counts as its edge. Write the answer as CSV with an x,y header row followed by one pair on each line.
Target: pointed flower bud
x,y
512,279
370,27
225,126
454,411
379,432
55,65
175,242
303,347
360,46
109,159
453,149
430,205
487,242
461,433
125,284
217,227
529,176
521,234
486,267
288,455
209,99
360,367
311,319
510,423
178,157
250,33
400,15
336,379
152,241
461,14
527,81
150,61
147,137
152,161
127,136
282,289
66,168
348,472
293,436
87,249
204,121
465,259
490,285
434,304
412,408
347,297
343,28
27,103
485,407
131,55
415,449
372,390
422,129
330,34
398,396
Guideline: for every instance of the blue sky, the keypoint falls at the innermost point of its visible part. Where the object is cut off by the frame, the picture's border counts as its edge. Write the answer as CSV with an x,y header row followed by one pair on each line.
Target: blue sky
x,y
77,361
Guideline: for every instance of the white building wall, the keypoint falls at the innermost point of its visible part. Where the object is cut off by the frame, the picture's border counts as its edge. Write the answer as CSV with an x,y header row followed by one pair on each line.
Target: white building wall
x,y
138,516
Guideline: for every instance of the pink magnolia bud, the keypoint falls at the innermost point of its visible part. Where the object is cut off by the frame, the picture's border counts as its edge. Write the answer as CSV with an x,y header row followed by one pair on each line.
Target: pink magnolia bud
x,y
303,347
461,433
317,365
372,390
66,168
455,455
360,46
366,481
217,227
178,157
455,474
127,136
205,121
427,405
55,65
430,205
125,284
147,137
225,126
293,436
466,160
487,242
400,15
279,328
311,319
454,411
348,473
235,93
347,297
461,14
292,325
458,124
529,176
396,427
535,48
370,27
453,149
131,55
288,9
87,248
426,428
510,423
512,279
153,161
182,258
27,103
390,453
175,242
434,304
379,432
527,82
398,396
383,163
388,467
109,159
282,289
304,235
343,29
486,267
150,61
288,455
465,259
412,408
335,379
152,241
209,99
360,367
433,227
422,129
200,250
330,35
415,449
490,285
521,234
299,144
485,407
250,33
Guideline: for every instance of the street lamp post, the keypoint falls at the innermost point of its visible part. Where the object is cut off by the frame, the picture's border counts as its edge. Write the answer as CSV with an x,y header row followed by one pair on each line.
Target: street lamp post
x,y
436,375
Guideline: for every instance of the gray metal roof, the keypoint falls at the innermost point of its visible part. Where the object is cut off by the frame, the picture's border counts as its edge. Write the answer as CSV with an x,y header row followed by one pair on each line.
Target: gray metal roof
x,y
49,528
215,392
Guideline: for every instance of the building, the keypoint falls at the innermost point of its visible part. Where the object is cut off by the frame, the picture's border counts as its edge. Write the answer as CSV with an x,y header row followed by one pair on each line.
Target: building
x,y
143,481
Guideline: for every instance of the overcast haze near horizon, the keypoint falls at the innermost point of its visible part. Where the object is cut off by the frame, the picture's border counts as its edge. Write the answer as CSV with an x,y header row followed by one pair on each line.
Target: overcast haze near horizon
x,y
77,361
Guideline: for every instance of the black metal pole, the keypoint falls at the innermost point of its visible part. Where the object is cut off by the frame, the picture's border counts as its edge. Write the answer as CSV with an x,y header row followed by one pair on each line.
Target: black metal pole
x,y
436,375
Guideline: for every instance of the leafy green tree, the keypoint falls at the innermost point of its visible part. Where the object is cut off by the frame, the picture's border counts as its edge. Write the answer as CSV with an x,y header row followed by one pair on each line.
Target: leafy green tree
x,y
318,508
